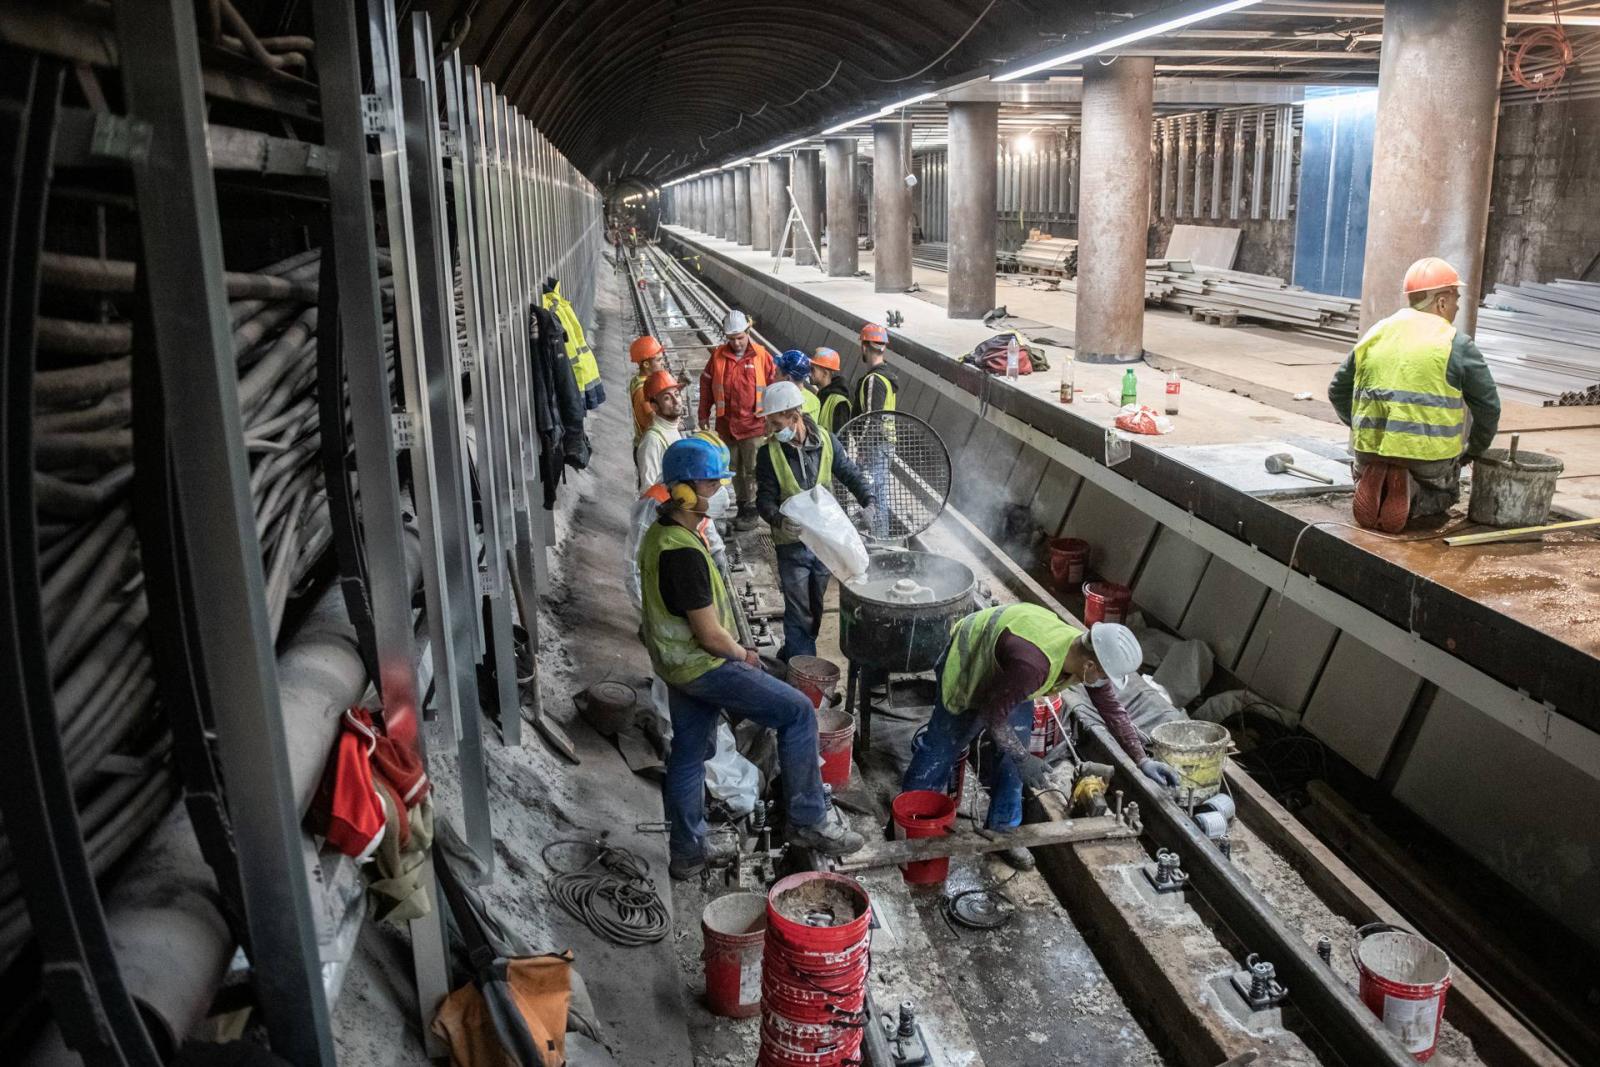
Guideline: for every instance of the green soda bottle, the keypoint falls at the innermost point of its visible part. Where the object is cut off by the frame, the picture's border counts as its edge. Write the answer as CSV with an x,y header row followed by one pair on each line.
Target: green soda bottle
x,y
1130,388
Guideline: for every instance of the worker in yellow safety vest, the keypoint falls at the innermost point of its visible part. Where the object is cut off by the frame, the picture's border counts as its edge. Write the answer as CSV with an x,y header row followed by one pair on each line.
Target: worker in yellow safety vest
x,y
799,454
579,354
1404,391
647,357
831,390
875,391
997,663
688,628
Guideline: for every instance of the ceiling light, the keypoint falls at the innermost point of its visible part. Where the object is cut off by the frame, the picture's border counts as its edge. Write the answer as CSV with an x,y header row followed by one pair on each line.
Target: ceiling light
x,y
1144,28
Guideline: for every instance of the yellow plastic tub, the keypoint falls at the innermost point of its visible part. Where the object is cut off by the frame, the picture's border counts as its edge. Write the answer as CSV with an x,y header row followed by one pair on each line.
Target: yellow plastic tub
x,y
1197,751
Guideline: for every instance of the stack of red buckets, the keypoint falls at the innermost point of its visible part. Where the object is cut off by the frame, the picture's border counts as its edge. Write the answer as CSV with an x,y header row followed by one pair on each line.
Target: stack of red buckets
x,y
814,971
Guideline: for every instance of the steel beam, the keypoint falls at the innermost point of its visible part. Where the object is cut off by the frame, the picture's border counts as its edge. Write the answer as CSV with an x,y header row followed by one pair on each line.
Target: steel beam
x,y
181,234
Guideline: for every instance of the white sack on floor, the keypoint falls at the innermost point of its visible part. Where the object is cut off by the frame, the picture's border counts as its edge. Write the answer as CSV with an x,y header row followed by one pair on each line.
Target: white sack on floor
x,y
1223,705
730,777
1185,671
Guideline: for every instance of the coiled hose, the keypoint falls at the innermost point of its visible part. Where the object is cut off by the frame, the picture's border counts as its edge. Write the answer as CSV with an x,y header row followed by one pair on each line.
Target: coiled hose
x,y
612,894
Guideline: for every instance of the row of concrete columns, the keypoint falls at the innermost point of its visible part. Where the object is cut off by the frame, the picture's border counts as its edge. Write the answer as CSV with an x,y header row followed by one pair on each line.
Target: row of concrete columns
x,y
1433,158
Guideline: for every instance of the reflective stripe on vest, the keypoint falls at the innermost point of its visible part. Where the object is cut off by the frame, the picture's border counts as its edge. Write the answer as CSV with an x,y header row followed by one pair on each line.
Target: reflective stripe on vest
x,y
788,485
1404,405
719,373
674,653
863,400
969,657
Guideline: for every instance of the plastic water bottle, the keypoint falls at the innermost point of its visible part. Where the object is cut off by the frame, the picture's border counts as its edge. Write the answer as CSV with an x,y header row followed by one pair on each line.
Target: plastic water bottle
x,y
1130,388
1013,358
1174,387
1066,379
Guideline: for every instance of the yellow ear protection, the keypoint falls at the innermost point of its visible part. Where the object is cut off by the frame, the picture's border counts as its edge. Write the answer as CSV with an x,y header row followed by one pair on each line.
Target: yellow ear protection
x,y
683,494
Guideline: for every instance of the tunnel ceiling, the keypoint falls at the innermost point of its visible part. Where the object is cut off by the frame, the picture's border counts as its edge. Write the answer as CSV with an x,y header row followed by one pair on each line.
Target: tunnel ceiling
x,y
654,87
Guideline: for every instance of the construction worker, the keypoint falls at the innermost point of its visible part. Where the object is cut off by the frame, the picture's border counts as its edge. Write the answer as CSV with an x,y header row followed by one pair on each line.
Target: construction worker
x,y
875,391
666,407
796,365
1404,391
688,628
644,514
731,388
647,357
832,394
799,454
997,663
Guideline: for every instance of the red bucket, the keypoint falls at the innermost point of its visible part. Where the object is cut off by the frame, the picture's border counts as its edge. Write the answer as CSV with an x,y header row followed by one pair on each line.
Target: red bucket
x,y
814,972
923,813
836,731
1069,558
818,912
1404,979
815,677
1105,602
1046,733
734,927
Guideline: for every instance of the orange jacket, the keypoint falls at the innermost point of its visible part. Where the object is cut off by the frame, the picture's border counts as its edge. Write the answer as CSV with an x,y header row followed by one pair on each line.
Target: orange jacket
x,y
733,386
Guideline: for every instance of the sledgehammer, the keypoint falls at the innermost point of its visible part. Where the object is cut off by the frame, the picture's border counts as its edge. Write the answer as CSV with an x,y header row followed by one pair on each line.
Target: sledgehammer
x,y
1283,463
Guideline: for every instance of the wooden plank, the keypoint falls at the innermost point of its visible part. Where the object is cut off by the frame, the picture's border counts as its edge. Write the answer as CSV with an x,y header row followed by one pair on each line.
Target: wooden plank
x,y
1499,1036
1492,536
1034,835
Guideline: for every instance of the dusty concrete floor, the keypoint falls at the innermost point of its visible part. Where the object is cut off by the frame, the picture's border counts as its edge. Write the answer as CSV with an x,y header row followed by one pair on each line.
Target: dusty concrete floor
x,y
588,634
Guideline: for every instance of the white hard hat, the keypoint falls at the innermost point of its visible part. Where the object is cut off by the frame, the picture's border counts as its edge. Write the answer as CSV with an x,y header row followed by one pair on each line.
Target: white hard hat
x,y
736,322
782,396
1116,650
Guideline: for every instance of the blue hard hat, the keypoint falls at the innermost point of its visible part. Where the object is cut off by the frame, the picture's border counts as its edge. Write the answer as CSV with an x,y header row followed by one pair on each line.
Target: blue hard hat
x,y
693,459
796,364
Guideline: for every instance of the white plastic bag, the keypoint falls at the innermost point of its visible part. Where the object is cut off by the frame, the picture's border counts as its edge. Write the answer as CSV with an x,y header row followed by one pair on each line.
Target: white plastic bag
x,y
828,532
730,777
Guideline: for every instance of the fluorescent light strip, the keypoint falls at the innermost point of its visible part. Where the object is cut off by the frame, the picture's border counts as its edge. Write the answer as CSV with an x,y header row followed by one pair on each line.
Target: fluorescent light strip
x,y
1152,30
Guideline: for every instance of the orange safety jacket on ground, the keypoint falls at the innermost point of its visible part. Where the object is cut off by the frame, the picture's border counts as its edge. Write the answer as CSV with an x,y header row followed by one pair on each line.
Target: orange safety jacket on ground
x,y
733,386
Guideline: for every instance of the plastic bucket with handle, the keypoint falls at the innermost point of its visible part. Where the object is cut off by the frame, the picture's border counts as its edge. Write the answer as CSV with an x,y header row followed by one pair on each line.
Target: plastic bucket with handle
x,y
836,731
814,676
734,927
923,813
1404,979
1069,557
1196,749
1105,602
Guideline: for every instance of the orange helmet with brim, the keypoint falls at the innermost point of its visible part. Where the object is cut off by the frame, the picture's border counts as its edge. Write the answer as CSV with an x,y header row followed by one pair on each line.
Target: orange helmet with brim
x,y
874,334
644,348
825,357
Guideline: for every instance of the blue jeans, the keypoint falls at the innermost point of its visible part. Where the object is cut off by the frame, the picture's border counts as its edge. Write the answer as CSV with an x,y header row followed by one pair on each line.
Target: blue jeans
x,y
805,582
744,692
877,464
934,754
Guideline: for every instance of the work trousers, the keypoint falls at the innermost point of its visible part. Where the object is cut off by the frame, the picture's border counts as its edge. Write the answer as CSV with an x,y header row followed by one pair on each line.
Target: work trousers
x,y
939,745
744,692
1435,483
805,583
877,464
744,472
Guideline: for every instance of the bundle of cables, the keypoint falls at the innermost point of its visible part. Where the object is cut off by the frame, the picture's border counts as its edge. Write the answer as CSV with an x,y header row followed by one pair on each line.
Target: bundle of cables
x,y
1538,58
612,894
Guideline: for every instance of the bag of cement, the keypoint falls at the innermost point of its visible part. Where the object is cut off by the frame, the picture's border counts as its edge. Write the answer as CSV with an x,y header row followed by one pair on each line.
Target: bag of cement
x,y
1147,704
1185,671
730,777
828,532
1225,705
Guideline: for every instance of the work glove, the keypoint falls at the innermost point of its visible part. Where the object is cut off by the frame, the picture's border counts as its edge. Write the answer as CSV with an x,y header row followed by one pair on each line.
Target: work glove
x,y
869,512
1158,772
1035,772
790,528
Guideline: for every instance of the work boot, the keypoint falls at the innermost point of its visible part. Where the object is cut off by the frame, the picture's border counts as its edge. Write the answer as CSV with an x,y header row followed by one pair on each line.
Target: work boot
x,y
1018,858
831,837
712,855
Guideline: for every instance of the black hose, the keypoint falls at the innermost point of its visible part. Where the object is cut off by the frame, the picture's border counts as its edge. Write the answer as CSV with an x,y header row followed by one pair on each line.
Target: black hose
x,y
612,894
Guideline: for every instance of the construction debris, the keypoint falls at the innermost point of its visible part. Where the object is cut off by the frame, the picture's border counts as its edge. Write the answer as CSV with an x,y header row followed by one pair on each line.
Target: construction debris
x,y
1542,341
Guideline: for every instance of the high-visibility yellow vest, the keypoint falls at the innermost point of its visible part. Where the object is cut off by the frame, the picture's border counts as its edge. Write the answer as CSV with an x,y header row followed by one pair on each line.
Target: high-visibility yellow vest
x,y
579,354
969,657
829,407
674,653
861,392
1404,405
789,485
809,403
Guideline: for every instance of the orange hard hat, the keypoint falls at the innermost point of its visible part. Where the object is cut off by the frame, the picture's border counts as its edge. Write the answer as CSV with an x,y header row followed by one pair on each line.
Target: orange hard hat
x,y
825,357
659,382
873,334
1430,273
644,348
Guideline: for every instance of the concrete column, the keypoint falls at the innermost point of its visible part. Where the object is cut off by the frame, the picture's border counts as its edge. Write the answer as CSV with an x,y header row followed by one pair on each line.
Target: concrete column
x,y
1433,148
973,144
841,162
741,204
730,206
722,224
891,209
1114,210
778,203
807,182
703,205
760,232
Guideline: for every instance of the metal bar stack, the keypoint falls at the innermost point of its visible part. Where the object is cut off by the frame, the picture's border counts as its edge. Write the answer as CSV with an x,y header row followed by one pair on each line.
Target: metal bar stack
x,y
1542,341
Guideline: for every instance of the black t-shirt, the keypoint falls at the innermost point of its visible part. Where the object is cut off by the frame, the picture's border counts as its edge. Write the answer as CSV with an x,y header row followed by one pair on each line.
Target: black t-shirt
x,y
684,575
